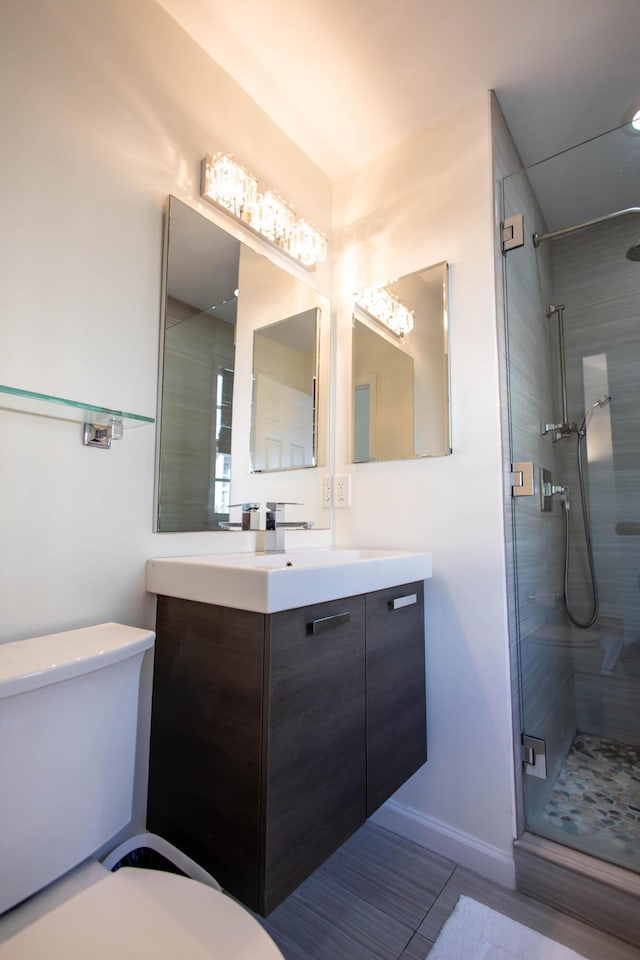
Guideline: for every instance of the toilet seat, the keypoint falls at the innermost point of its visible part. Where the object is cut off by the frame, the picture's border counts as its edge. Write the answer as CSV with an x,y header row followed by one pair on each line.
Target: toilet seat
x,y
135,914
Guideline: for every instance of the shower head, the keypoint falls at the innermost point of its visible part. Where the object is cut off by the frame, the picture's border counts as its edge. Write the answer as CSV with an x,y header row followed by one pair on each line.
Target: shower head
x,y
633,253
599,404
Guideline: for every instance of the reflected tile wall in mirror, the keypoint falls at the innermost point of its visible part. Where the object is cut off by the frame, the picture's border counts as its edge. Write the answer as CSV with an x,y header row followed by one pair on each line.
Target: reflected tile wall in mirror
x,y
198,361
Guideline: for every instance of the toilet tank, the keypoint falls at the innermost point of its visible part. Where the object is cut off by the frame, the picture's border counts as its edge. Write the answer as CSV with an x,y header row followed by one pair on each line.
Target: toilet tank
x,y
68,725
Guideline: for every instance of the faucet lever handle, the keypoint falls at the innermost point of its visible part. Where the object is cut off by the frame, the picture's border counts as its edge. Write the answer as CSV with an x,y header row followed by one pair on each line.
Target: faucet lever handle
x,y
275,524
274,515
250,515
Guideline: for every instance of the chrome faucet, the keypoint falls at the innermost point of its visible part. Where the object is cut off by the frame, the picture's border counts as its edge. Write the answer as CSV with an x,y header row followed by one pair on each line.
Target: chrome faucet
x,y
250,517
276,525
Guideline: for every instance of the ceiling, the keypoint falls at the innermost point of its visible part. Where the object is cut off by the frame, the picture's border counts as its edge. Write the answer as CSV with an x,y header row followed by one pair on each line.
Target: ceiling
x,y
194,244
349,79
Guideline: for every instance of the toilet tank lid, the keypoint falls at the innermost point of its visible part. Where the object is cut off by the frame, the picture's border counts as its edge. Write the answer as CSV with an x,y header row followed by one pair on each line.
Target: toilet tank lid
x,y
38,661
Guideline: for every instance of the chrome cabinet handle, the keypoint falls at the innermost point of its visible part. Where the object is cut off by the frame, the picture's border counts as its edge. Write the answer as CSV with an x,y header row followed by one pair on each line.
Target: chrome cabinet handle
x,y
328,623
398,602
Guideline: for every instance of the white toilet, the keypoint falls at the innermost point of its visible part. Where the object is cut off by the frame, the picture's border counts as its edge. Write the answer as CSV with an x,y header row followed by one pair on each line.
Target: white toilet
x,y
68,726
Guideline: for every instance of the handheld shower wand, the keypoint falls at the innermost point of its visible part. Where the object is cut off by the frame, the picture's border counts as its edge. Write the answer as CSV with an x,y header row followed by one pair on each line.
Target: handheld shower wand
x,y
582,432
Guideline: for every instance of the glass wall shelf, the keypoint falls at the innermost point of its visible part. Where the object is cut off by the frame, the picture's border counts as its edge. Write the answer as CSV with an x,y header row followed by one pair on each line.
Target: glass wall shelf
x,y
58,408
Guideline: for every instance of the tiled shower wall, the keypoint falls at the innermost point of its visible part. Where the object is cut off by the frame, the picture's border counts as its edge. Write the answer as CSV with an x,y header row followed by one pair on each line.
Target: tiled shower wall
x,y
196,345
600,289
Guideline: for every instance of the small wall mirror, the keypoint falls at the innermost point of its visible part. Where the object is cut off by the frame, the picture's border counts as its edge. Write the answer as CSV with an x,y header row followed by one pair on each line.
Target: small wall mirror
x,y
283,409
244,343
400,395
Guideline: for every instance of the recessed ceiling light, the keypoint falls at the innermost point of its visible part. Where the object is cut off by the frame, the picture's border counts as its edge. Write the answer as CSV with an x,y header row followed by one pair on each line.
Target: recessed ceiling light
x,y
630,120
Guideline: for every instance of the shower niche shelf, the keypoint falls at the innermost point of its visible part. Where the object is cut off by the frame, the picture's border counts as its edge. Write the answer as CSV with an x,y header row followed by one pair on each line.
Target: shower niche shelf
x,y
101,423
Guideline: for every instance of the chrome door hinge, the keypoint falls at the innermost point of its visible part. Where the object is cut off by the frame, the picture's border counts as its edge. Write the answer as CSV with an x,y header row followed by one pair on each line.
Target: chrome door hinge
x,y
534,756
522,482
512,232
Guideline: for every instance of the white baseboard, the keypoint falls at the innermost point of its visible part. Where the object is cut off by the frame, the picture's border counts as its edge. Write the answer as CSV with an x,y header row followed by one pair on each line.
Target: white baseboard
x,y
444,840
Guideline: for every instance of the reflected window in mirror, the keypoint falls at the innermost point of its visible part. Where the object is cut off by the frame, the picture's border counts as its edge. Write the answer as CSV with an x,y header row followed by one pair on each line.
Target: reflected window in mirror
x,y
197,372
400,385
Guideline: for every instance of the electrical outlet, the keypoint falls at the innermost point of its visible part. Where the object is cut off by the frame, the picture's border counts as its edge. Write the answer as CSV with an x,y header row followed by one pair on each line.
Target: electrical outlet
x,y
342,491
325,492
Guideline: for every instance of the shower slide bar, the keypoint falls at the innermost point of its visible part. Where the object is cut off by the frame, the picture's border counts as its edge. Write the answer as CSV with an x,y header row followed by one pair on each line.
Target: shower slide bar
x,y
539,238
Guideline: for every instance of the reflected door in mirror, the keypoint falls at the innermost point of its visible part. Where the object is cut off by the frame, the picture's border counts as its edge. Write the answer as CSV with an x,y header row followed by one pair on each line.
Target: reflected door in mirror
x,y
285,362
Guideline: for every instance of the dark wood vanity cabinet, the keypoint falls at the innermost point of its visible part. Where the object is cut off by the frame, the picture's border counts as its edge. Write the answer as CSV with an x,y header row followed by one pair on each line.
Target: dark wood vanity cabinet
x,y
274,736
395,685
315,766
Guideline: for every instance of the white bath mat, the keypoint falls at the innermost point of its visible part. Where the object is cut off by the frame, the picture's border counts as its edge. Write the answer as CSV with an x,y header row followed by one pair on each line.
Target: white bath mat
x,y
475,932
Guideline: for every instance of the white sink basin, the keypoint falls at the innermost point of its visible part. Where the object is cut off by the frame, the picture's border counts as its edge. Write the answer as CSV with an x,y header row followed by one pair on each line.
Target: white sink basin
x,y
267,583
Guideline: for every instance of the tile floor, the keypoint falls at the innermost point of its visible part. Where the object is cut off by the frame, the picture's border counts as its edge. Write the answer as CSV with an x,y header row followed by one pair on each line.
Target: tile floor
x,y
381,897
596,798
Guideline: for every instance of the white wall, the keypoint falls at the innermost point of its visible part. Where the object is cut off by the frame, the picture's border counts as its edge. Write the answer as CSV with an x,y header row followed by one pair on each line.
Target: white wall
x,y
429,200
106,109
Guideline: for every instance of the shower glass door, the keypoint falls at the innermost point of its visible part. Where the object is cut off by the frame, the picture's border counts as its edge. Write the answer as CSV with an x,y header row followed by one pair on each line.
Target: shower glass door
x,y
573,345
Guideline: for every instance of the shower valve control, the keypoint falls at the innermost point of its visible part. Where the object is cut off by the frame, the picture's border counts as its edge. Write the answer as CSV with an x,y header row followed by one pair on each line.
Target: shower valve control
x,y
548,490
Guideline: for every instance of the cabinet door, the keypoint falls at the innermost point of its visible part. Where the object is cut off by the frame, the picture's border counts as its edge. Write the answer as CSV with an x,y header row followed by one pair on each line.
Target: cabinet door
x,y
396,714
315,751
206,724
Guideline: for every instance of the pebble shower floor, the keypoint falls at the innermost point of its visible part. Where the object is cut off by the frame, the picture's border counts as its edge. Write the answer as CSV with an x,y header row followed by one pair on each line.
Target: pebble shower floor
x,y
595,802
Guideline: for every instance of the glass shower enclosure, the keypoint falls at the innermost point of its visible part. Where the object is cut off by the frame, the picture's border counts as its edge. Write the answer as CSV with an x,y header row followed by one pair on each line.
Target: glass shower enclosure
x,y
573,361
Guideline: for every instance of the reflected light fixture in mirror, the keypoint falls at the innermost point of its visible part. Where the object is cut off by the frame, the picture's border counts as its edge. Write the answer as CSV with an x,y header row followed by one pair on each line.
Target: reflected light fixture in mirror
x,y
385,307
229,186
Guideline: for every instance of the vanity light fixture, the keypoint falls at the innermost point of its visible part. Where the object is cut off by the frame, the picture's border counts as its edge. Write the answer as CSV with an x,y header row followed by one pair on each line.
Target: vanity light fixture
x,y
229,186
387,309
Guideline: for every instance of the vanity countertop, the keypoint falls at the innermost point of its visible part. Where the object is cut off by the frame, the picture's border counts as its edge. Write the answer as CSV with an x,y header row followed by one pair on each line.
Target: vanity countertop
x,y
268,583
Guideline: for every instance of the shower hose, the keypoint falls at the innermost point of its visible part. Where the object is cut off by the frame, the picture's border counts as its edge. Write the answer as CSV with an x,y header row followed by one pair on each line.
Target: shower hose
x,y
582,624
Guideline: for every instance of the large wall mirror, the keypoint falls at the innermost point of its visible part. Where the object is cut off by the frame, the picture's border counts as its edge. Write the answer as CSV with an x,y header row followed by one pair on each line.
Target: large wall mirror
x,y
244,357
400,386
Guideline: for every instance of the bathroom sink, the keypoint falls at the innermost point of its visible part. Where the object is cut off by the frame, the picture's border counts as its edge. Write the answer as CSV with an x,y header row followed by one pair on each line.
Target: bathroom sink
x,y
266,583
